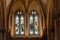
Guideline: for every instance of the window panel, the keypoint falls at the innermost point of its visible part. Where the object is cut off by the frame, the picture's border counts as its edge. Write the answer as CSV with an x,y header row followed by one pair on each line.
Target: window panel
x,y
22,25
16,25
36,24
31,24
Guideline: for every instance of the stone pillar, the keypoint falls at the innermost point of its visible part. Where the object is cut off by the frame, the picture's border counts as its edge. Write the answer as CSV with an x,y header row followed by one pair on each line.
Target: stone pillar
x,y
56,29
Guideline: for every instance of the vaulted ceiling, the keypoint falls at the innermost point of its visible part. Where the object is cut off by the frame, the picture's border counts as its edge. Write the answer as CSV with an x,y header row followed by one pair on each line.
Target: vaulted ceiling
x,y
42,1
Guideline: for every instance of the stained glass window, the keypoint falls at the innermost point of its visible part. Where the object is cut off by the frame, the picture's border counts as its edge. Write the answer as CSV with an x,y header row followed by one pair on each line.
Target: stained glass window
x,y
33,23
19,23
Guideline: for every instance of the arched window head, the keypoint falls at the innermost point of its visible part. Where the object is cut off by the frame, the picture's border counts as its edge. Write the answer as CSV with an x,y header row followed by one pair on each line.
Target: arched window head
x,y
34,12
34,23
19,12
19,23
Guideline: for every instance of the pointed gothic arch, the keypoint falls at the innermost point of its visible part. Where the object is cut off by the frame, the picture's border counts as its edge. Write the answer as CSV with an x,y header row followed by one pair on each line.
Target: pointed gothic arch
x,y
35,5
18,4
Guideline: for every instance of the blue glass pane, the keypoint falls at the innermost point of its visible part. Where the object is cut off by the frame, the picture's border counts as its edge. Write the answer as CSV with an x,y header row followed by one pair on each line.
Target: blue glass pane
x,y
31,26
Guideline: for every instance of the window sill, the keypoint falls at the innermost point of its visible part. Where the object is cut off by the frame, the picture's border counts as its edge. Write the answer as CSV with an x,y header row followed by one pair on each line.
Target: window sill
x,y
30,36
19,36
